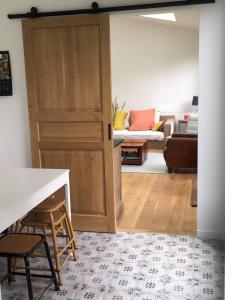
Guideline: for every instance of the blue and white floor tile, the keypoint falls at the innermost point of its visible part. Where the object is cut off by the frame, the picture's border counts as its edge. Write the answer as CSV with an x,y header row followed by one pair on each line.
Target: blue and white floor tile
x,y
137,266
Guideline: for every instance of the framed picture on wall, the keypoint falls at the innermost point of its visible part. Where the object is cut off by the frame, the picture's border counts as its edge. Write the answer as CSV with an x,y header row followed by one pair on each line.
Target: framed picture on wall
x,y
5,74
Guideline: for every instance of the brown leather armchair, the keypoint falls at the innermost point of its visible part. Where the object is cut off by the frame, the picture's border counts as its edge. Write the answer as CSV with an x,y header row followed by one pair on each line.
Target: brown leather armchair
x,y
181,152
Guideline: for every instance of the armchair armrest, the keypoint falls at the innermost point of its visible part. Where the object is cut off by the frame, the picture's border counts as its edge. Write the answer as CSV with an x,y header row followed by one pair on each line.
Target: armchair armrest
x,y
168,128
181,153
181,144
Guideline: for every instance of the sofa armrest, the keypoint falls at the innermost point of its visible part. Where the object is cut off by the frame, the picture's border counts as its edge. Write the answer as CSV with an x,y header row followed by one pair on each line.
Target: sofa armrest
x,y
168,128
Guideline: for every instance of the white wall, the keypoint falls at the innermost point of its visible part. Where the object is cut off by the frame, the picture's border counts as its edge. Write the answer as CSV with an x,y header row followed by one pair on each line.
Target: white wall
x,y
154,65
14,129
14,132
211,209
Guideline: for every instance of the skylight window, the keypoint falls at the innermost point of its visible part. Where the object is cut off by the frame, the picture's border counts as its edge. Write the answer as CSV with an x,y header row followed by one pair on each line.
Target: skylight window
x,y
165,17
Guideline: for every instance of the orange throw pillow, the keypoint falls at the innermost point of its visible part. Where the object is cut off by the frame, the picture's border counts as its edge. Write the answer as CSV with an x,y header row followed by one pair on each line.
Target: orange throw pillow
x,y
142,119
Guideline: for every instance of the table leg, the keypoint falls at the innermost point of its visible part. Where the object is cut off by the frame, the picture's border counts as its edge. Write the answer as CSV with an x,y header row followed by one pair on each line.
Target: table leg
x,y
68,203
0,292
67,197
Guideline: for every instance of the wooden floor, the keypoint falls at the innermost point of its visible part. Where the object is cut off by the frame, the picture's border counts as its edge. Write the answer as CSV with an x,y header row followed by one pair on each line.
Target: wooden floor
x,y
158,203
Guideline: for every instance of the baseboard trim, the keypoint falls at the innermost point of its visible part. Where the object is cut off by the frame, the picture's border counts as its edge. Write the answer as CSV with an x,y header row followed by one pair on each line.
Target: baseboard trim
x,y
202,234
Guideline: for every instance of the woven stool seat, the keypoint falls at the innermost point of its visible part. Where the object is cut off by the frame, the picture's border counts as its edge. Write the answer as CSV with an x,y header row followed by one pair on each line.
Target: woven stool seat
x,y
49,205
41,219
51,216
19,244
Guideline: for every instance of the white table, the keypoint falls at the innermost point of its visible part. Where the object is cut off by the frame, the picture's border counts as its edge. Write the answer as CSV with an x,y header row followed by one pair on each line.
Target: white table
x,y
23,189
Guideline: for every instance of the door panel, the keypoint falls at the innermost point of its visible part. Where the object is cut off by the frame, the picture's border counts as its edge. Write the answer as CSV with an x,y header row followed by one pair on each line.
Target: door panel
x,y
69,100
61,131
92,194
68,57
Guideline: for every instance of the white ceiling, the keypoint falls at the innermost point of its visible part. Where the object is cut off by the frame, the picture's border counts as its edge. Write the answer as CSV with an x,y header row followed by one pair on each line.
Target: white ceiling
x,y
185,17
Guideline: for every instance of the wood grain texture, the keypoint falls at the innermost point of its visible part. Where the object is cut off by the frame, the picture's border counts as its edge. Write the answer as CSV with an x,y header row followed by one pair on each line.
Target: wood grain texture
x,y
194,194
90,196
71,130
118,181
158,203
69,99
68,60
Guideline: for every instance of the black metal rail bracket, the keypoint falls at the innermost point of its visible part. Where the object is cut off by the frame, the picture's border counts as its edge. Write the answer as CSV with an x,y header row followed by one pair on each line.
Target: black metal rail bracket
x,y
34,13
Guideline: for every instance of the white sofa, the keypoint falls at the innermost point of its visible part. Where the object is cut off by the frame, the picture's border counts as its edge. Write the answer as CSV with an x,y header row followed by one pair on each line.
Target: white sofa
x,y
139,135
156,139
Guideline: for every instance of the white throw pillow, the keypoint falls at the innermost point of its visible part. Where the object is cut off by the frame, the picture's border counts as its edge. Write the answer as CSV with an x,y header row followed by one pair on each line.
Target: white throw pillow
x,y
157,116
126,121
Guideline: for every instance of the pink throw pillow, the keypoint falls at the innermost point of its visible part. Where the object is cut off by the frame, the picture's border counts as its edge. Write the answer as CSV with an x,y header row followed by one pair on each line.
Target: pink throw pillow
x,y
142,119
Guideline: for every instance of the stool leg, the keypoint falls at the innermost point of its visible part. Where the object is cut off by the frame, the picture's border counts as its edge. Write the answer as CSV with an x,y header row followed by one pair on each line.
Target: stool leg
x,y
10,229
19,229
70,226
28,276
64,235
71,237
45,231
9,263
62,228
55,247
51,266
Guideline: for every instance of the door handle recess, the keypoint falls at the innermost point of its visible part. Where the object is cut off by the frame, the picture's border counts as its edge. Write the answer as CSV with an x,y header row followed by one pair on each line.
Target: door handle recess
x,y
110,131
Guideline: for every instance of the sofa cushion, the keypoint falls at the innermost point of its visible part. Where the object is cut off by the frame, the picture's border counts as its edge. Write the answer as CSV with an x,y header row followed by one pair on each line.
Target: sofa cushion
x,y
142,119
157,126
119,120
138,135
127,121
157,116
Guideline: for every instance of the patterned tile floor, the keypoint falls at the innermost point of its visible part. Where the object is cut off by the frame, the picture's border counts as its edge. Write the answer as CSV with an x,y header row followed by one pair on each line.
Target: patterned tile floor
x,y
137,266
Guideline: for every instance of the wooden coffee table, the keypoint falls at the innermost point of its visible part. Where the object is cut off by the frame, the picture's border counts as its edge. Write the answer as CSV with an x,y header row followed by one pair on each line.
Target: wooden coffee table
x,y
133,152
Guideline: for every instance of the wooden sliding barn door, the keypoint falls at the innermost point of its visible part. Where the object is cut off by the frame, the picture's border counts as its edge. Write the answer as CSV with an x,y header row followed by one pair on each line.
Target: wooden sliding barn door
x,y
69,99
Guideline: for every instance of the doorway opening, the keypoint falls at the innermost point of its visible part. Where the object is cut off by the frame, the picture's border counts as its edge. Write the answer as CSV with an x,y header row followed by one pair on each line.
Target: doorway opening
x,y
154,61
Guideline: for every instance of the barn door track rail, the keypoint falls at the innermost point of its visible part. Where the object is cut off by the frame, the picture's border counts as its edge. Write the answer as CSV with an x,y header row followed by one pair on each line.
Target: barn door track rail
x,y
34,13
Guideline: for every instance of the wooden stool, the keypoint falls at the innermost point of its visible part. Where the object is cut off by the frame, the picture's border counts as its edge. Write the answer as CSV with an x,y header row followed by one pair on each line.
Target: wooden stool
x,y
19,245
52,215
